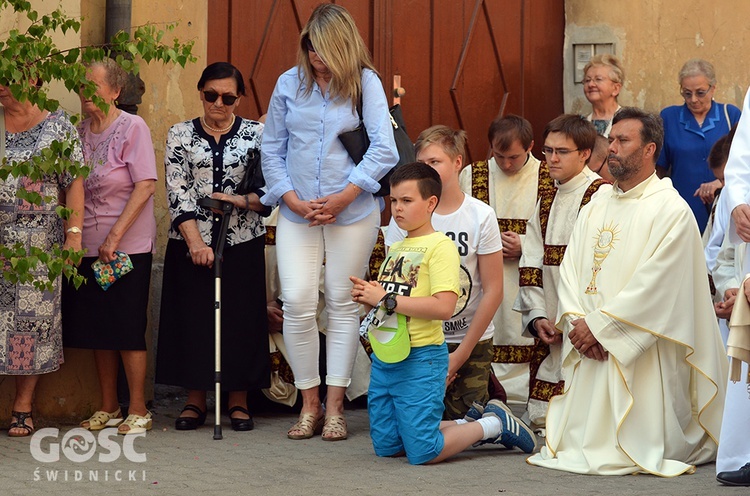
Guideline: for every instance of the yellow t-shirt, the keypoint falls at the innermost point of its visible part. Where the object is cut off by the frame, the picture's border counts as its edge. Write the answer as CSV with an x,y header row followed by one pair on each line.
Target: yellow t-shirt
x,y
422,266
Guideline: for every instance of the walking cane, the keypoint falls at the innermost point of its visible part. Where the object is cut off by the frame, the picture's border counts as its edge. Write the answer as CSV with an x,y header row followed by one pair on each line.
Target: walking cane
x,y
226,209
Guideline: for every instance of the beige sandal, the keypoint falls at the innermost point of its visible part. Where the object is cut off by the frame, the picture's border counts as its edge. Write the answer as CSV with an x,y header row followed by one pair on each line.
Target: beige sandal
x,y
334,428
102,419
135,424
308,425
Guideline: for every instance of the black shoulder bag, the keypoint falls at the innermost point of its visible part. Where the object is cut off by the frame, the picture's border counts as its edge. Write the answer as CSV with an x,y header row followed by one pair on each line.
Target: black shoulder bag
x,y
357,142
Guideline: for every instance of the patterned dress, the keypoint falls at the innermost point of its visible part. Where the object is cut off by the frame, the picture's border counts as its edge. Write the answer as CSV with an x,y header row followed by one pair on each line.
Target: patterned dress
x,y
30,323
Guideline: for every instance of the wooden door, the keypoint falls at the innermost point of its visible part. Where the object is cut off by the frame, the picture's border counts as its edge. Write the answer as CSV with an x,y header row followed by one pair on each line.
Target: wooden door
x,y
461,62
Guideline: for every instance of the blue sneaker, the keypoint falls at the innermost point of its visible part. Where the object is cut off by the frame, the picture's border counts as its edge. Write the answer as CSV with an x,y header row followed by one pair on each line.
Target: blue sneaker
x,y
515,432
475,412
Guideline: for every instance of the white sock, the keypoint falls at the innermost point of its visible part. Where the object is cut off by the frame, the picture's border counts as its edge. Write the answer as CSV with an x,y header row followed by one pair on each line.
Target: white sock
x,y
491,426
461,421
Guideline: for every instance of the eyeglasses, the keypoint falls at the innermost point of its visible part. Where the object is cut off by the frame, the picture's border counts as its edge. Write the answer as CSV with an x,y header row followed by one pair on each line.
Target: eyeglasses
x,y
597,80
561,152
688,95
307,43
226,98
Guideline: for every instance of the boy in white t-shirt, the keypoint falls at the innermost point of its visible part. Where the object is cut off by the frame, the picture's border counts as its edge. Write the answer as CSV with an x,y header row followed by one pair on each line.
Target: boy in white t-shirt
x,y
472,225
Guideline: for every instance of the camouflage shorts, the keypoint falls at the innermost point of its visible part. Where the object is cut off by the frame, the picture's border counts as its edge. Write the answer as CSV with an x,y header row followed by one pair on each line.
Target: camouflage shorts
x,y
472,381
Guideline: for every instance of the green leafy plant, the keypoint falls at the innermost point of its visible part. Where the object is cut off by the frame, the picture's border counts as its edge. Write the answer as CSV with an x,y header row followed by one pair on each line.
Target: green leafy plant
x,y
28,61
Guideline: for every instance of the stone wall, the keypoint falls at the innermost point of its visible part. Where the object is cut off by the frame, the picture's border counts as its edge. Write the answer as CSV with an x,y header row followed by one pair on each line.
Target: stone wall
x,y
653,38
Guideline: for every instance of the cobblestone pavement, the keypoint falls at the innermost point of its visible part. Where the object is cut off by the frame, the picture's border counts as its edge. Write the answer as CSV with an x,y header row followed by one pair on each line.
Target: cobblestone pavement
x,y
265,462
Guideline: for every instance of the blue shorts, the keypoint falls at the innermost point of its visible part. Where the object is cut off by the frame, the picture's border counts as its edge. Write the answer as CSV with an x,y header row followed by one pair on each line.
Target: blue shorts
x,y
405,404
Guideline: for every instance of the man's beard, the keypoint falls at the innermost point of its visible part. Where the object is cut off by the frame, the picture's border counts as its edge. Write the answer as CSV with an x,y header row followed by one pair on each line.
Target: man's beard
x,y
623,169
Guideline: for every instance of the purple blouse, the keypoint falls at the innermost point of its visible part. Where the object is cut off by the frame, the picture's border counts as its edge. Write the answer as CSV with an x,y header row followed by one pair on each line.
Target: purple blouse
x,y
119,157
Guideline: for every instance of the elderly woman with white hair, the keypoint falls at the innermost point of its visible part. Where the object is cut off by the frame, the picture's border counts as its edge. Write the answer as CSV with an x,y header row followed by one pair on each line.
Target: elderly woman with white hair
x,y
118,226
602,82
690,130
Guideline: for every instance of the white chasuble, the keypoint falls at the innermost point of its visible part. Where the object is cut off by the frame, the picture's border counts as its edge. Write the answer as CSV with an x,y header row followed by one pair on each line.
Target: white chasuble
x,y
634,269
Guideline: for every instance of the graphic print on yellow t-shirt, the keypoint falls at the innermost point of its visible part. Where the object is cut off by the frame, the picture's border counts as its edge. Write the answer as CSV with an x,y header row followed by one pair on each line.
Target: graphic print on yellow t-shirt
x,y
401,270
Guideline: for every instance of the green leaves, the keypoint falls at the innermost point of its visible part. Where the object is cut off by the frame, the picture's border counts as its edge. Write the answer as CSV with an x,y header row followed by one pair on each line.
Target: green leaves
x,y
38,267
32,56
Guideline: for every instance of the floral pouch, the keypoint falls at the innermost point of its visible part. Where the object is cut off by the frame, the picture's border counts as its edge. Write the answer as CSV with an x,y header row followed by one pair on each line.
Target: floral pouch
x,y
107,274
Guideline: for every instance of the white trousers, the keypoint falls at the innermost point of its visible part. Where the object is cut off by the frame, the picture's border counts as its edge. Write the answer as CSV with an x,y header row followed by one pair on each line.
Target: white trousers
x,y
301,251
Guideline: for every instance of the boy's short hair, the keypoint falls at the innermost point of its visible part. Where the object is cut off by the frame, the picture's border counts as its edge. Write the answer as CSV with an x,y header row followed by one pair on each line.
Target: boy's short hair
x,y
506,130
453,142
719,154
574,126
428,180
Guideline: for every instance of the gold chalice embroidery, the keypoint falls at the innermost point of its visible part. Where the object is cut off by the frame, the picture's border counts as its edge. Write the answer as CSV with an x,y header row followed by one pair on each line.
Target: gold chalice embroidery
x,y
605,241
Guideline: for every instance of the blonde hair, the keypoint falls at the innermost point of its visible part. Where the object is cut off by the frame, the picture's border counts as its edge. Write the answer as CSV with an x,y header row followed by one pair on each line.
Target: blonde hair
x,y
333,33
616,74
451,141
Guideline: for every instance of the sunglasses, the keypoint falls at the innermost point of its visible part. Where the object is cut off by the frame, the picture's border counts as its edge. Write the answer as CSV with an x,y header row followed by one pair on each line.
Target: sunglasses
x,y
688,95
308,44
226,98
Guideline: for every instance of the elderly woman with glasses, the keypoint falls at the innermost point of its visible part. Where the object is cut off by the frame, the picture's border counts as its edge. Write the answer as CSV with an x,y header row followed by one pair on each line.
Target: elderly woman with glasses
x,y
602,81
690,130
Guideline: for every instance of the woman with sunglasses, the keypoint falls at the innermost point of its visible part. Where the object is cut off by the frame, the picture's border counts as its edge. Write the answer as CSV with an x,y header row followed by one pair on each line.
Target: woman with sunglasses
x,y
207,157
690,130
327,210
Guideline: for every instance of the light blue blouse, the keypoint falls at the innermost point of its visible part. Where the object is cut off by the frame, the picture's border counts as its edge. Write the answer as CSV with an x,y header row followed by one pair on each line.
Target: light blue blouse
x,y
301,150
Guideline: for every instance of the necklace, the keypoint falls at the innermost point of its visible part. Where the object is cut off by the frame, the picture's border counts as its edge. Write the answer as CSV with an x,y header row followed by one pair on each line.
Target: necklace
x,y
224,130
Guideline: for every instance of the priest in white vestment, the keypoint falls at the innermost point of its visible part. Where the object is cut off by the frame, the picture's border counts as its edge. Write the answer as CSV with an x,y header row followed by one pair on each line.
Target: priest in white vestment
x,y
643,362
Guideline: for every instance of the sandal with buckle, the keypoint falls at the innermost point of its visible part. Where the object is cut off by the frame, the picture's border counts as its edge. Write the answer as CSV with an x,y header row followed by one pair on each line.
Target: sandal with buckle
x,y
334,428
136,424
101,419
20,423
308,425
190,423
241,424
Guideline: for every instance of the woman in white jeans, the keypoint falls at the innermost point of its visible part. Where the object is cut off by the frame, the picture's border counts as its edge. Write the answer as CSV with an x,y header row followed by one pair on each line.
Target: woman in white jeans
x,y
327,211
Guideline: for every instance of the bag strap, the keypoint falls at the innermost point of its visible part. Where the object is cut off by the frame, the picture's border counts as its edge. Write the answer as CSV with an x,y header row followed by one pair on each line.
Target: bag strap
x,y
726,114
360,103
2,133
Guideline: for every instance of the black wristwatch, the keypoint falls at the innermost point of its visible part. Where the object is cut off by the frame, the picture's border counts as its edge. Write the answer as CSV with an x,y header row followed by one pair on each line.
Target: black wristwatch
x,y
390,302
532,329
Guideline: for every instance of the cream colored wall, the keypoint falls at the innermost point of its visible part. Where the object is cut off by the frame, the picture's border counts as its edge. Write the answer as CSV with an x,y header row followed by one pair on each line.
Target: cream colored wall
x,y
171,95
653,38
